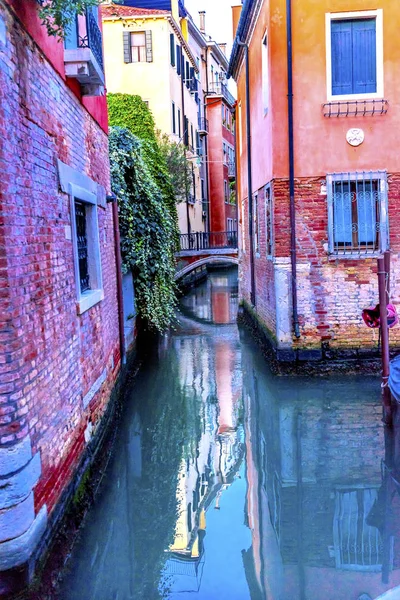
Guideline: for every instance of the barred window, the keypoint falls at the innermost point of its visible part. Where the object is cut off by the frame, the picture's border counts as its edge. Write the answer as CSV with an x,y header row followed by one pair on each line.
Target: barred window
x,y
357,212
82,245
268,221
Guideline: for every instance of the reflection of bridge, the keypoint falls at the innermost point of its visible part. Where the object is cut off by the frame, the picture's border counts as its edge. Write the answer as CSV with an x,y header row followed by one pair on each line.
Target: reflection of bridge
x,y
204,248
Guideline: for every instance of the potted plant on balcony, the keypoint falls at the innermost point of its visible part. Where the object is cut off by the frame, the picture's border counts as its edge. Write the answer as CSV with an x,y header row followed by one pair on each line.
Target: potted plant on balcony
x,y
58,15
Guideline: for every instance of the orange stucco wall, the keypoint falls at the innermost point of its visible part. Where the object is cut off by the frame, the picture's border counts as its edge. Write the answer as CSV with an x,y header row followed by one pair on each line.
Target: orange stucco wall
x,y
320,142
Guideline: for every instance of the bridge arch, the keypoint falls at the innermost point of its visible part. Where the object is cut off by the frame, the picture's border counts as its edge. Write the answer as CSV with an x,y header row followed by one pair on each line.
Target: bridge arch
x,y
207,260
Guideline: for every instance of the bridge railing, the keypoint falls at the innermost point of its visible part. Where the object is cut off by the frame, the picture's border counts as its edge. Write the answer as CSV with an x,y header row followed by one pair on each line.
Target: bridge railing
x,y
204,240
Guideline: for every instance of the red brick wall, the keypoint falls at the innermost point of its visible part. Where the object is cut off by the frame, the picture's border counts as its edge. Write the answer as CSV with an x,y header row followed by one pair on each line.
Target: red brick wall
x,y
331,293
50,356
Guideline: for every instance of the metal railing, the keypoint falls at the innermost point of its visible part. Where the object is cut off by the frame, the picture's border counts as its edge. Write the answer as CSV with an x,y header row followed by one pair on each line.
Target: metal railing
x,y
203,124
203,240
231,169
86,36
220,89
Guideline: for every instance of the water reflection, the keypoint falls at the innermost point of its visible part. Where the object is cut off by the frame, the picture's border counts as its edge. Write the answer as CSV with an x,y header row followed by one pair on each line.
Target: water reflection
x,y
323,508
228,483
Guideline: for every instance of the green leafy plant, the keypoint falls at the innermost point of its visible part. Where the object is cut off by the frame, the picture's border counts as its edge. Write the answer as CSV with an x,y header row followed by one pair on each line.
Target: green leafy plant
x,y
179,168
131,112
148,229
59,15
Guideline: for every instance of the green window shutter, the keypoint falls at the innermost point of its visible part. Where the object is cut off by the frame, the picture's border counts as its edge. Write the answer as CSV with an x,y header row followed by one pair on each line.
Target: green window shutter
x,y
149,46
172,45
127,47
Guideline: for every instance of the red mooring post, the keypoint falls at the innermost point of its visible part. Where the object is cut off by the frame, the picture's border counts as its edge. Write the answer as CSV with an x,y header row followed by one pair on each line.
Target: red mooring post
x,y
383,277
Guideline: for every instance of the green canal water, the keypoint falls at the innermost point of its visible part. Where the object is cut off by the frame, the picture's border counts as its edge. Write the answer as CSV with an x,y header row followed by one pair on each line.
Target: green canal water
x,y
228,483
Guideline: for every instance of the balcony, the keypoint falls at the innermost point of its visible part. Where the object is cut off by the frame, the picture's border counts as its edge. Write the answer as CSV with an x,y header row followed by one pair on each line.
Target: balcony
x,y
203,240
83,54
231,170
203,126
218,88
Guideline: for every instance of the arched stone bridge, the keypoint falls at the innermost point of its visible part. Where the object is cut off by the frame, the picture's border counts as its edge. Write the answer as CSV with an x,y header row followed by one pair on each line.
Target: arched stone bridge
x,y
199,249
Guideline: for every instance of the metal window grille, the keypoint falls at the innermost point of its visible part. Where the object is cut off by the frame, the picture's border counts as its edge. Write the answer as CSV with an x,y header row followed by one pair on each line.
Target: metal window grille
x,y
81,233
358,546
268,220
357,212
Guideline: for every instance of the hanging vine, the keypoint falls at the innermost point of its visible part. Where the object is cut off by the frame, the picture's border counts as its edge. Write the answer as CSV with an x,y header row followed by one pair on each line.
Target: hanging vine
x,y
147,229
59,15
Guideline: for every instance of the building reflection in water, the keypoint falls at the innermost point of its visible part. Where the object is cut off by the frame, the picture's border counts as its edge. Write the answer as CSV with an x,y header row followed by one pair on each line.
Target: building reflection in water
x,y
210,376
323,492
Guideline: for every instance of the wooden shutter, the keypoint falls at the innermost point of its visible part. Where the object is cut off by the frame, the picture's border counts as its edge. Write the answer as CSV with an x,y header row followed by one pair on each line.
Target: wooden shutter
x,y
127,47
342,61
187,76
342,216
149,46
172,48
186,131
366,211
173,118
178,59
364,56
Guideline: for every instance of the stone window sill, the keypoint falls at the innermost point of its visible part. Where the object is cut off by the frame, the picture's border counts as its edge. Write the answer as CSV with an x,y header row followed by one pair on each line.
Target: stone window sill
x,y
89,299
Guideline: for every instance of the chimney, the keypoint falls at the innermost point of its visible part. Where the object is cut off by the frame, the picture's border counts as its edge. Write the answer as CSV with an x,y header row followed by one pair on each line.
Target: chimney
x,y
223,47
202,14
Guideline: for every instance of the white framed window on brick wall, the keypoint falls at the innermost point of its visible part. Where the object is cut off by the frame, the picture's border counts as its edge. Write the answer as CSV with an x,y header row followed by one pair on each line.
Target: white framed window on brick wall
x,y
354,55
86,248
269,222
358,221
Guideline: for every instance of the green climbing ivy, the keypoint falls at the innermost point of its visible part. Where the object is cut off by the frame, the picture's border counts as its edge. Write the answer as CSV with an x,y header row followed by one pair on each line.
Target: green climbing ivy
x,y
130,111
58,15
148,229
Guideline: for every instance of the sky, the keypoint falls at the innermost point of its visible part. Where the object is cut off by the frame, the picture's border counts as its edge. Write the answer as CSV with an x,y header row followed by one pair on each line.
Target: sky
x,y
218,18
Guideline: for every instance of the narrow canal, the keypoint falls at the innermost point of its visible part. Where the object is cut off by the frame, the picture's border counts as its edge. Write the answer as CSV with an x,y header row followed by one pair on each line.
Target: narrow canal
x,y
228,483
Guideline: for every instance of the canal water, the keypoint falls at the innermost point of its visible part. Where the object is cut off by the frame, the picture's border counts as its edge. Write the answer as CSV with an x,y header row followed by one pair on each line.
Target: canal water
x,y
229,483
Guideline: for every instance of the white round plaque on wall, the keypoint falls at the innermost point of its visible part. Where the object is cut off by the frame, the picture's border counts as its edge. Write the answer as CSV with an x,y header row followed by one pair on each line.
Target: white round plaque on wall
x,y
355,136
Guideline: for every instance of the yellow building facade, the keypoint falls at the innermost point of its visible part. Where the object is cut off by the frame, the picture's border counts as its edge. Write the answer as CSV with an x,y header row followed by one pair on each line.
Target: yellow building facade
x,y
146,54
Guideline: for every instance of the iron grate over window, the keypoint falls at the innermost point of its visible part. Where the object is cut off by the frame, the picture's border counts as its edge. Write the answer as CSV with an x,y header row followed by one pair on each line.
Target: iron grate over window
x,y
357,212
81,233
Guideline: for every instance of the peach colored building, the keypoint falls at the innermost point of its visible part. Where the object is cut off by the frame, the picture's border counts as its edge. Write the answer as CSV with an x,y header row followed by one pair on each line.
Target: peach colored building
x,y
320,154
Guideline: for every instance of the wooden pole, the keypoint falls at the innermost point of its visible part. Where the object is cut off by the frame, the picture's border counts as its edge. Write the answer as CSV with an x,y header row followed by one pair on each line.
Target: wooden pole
x,y
386,396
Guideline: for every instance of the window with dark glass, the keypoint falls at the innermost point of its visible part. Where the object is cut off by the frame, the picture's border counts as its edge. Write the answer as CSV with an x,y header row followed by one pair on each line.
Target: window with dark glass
x,y
82,243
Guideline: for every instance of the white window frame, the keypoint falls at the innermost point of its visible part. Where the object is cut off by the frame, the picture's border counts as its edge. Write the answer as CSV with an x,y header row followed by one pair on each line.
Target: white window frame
x,y
93,296
265,72
362,14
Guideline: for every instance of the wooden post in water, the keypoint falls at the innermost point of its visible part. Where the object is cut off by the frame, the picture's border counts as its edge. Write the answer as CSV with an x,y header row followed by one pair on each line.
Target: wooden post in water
x,y
383,276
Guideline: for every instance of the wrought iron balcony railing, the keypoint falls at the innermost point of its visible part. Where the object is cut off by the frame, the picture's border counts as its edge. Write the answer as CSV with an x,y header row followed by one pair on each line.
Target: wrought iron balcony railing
x,y
220,89
203,240
203,126
83,54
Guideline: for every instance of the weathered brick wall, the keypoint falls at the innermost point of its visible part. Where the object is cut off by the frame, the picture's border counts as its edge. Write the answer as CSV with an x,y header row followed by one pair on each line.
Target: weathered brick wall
x,y
331,292
50,356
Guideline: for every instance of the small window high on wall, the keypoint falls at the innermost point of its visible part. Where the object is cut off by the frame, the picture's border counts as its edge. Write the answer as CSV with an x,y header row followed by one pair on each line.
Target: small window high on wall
x,y
354,55
138,46
265,73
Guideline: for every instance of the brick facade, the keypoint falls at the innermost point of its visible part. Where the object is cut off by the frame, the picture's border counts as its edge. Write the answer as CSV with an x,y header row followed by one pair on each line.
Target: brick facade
x,y
332,292
51,357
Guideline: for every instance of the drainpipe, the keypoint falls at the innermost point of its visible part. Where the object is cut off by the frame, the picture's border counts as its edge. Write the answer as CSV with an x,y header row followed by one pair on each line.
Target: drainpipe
x,y
118,265
184,152
249,174
293,257
206,149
